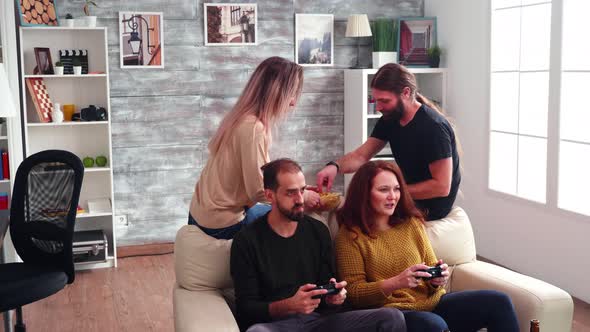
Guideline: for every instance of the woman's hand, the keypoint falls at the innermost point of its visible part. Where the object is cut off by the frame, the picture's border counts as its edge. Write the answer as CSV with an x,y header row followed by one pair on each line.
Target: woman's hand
x,y
445,275
410,278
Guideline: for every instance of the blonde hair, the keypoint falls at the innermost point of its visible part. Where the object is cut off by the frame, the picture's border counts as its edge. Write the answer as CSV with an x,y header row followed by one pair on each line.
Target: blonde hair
x,y
267,95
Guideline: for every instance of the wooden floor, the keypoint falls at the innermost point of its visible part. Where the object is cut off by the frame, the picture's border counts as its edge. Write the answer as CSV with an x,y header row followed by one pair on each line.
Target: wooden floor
x,y
137,296
581,316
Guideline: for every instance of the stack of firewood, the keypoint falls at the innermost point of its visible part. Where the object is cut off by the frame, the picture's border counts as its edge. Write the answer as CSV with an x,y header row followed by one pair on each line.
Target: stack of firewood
x,y
38,12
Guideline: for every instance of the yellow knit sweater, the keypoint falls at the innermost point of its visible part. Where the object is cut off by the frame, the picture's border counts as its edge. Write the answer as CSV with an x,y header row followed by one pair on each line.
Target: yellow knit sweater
x,y
365,262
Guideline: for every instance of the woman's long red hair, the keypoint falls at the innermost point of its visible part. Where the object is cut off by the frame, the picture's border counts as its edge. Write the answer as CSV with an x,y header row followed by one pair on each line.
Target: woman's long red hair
x,y
357,209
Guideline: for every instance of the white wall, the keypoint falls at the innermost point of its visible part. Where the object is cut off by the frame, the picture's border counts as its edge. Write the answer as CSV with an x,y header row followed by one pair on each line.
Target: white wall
x,y
534,239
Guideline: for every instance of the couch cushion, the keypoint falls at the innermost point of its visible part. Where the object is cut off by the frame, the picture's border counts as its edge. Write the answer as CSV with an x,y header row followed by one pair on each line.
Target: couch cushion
x,y
532,298
452,237
201,262
205,311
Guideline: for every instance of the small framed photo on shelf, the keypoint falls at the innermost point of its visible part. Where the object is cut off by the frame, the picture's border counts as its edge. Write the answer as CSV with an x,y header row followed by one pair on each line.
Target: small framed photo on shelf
x,y
416,36
141,39
314,39
44,63
231,24
37,12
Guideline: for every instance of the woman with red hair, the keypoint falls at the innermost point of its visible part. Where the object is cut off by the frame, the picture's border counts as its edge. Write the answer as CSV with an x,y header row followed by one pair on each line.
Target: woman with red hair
x,y
382,249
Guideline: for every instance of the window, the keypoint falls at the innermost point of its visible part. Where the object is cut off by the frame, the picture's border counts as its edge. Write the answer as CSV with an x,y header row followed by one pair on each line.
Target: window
x,y
519,97
520,83
235,14
574,117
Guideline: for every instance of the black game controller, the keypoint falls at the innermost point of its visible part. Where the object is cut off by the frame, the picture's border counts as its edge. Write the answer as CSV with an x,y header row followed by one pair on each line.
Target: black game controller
x,y
435,272
331,287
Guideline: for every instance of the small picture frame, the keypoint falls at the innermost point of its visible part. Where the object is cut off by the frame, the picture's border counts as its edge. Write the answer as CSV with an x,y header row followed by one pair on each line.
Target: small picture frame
x,y
231,24
314,40
44,63
415,36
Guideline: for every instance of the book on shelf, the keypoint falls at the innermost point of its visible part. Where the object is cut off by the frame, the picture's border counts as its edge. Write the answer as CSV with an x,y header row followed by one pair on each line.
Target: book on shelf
x,y
3,201
5,169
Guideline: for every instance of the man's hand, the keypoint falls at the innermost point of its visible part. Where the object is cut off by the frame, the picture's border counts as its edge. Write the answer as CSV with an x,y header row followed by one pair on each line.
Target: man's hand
x,y
302,302
337,299
445,272
311,199
326,178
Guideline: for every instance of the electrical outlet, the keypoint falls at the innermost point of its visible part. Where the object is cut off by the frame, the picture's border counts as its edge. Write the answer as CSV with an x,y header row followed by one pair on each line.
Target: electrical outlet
x,y
122,220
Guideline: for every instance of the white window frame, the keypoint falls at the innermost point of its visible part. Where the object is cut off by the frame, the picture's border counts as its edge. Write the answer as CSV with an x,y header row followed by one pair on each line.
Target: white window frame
x,y
553,117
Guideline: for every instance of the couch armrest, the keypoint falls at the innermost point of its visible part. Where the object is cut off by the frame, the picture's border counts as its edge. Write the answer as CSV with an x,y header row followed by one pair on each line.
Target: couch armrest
x,y
202,310
532,298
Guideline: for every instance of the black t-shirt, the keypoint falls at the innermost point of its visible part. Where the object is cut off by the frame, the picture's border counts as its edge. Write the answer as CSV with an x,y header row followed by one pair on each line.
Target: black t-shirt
x,y
425,139
266,267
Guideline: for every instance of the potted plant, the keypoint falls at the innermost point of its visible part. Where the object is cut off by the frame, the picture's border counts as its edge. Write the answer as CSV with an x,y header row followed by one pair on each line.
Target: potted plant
x,y
90,20
77,67
384,42
59,68
434,56
69,20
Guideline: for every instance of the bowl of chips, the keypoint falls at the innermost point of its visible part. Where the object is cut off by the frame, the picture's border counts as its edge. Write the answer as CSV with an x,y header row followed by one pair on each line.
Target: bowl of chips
x,y
330,200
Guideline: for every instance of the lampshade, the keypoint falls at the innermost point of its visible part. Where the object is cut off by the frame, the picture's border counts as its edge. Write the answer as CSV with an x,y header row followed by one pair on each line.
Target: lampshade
x,y
358,26
7,109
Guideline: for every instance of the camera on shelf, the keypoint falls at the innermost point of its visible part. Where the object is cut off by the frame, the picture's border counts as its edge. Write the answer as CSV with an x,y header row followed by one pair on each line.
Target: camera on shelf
x,y
91,113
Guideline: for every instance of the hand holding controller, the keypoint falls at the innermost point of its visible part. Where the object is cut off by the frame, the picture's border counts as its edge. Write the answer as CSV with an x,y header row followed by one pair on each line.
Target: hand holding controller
x,y
331,288
435,272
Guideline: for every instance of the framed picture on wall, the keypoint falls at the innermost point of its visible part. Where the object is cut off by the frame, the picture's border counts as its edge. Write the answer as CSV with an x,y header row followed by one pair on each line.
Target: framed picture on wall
x,y
231,24
141,39
314,39
37,12
415,36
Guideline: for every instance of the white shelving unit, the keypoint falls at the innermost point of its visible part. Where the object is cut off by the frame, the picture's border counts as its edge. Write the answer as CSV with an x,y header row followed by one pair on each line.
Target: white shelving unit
x,y
358,123
84,139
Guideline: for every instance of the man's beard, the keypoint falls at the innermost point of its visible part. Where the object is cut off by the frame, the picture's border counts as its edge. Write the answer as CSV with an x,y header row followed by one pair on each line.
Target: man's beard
x,y
292,214
396,113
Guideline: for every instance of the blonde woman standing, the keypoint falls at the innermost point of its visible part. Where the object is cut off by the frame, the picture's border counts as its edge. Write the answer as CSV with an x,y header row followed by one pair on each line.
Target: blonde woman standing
x,y
230,190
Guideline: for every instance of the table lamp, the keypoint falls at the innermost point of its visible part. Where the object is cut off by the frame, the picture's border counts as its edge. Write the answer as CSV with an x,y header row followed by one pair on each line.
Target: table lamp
x,y
358,26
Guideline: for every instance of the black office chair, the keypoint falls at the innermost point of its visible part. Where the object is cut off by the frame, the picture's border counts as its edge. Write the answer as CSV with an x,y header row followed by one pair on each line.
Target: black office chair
x,y
42,216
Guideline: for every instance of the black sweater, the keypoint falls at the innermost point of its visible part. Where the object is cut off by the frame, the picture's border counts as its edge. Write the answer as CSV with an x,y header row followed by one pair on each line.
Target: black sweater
x,y
266,267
